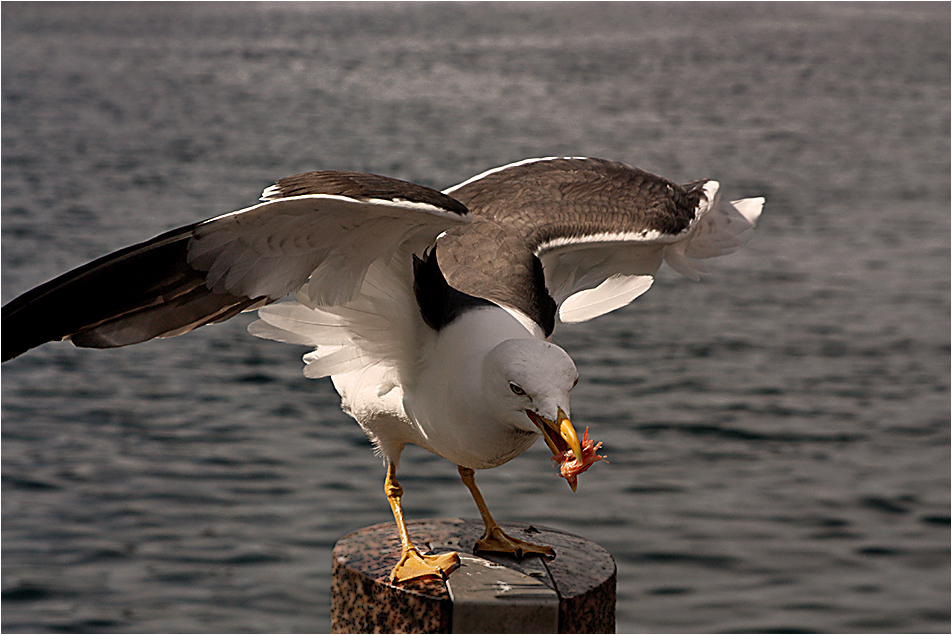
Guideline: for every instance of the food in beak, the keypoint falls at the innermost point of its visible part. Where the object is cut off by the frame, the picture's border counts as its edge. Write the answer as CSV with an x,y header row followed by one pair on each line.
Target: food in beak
x,y
573,465
574,456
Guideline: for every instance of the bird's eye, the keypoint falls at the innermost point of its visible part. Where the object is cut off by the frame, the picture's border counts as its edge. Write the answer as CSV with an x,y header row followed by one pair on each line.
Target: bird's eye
x,y
575,383
516,389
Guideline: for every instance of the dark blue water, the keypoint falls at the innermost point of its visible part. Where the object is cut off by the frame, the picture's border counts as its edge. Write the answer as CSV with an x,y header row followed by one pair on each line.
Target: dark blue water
x,y
778,433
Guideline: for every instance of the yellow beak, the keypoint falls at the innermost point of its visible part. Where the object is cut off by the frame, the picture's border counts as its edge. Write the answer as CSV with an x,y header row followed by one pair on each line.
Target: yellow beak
x,y
565,430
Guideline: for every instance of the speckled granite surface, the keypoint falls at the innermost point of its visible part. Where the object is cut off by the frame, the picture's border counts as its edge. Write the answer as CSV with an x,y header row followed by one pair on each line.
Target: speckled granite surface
x,y
363,601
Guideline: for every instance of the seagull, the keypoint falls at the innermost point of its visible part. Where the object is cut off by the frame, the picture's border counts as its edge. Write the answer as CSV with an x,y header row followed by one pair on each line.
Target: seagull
x,y
431,312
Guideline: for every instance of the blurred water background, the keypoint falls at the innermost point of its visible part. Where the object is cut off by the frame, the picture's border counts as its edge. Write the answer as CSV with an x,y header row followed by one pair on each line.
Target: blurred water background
x,y
778,433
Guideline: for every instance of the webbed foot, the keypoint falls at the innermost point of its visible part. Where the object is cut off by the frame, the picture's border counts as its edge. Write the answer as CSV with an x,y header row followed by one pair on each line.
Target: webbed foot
x,y
495,540
414,565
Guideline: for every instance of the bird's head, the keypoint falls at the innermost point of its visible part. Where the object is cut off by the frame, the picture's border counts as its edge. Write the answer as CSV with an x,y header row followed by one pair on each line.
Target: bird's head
x,y
528,382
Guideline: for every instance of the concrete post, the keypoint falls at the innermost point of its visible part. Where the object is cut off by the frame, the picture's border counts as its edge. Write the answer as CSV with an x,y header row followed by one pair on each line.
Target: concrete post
x,y
571,593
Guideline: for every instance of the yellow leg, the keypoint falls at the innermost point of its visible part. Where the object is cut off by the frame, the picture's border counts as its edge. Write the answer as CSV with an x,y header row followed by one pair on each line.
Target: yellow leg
x,y
495,540
412,564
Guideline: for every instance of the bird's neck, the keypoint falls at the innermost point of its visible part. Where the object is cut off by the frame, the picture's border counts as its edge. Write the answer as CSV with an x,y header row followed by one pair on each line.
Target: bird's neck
x,y
459,350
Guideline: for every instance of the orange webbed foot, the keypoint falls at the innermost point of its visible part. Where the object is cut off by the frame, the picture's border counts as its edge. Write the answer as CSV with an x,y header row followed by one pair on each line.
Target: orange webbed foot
x,y
414,565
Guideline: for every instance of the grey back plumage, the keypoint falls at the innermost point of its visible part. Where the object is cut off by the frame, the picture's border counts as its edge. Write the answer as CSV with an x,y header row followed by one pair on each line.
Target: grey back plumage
x,y
490,260
549,199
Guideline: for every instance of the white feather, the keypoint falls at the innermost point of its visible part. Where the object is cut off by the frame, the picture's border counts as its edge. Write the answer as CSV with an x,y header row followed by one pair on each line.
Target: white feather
x,y
724,229
294,323
328,361
613,293
381,325
581,266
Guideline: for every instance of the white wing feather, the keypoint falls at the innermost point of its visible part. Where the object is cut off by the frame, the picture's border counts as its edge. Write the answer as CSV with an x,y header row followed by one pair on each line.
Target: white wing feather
x,y
273,248
380,326
614,293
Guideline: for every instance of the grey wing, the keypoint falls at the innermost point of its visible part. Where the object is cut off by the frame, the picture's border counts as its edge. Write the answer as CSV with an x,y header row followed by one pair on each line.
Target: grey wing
x,y
316,233
602,228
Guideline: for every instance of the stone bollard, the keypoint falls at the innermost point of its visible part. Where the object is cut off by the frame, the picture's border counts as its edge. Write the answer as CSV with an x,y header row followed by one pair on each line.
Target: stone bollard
x,y
571,593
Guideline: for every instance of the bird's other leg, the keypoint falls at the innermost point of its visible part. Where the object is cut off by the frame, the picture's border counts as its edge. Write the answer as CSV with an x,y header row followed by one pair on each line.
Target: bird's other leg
x,y
412,564
494,539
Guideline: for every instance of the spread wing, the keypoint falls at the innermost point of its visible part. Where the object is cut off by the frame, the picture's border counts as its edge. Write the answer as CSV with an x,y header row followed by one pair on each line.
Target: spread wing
x,y
601,229
317,232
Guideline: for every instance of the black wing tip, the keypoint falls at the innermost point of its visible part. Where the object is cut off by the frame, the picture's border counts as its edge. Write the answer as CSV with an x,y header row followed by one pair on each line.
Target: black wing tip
x,y
23,335
95,304
22,330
